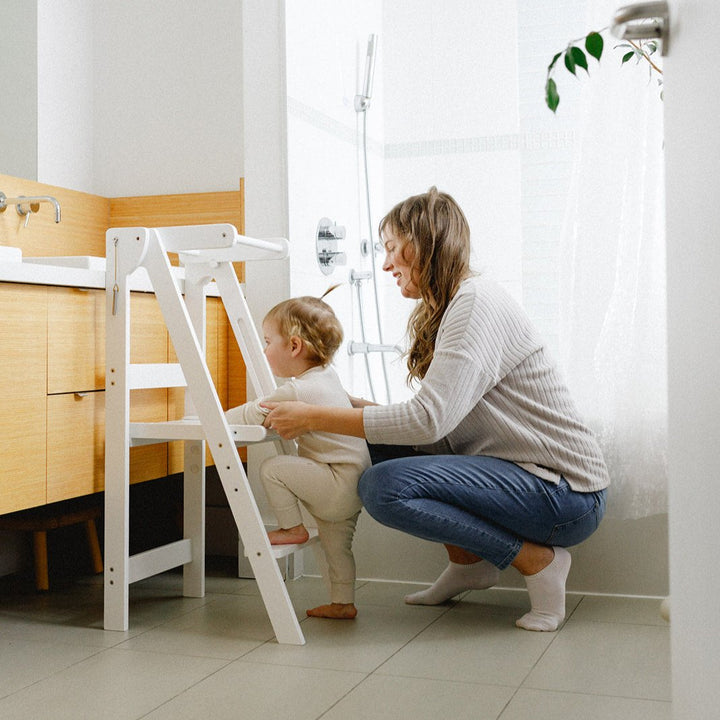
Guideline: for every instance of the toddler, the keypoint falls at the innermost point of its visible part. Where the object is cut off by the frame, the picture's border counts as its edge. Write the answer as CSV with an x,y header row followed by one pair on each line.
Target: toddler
x,y
301,337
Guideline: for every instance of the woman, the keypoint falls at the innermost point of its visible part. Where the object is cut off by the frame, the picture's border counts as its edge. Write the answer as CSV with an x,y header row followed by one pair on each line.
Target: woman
x,y
490,456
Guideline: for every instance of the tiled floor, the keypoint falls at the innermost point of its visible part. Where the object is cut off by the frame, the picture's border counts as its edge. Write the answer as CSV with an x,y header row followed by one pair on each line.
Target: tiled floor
x,y
216,657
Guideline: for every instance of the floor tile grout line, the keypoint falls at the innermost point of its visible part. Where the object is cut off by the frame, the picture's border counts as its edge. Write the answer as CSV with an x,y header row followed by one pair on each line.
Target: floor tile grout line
x,y
185,689
387,659
54,673
556,635
539,658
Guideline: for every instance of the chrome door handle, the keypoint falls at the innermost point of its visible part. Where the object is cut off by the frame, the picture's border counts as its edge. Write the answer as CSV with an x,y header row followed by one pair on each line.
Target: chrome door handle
x,y
643,21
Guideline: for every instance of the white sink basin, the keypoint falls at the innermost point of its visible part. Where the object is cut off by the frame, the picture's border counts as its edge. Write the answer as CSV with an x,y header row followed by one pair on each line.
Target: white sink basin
x,y
10,254
83,262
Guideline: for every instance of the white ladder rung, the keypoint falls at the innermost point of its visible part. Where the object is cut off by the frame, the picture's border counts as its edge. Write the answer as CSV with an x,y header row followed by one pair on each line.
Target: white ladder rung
x,y
159,559
143,376
147,433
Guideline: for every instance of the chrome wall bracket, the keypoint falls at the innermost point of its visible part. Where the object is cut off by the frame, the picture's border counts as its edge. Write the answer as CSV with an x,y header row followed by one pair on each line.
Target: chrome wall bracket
x,y
643,21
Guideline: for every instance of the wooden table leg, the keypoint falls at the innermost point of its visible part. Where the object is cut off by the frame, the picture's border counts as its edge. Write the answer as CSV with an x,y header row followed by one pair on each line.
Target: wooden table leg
x,y
42,581
91,531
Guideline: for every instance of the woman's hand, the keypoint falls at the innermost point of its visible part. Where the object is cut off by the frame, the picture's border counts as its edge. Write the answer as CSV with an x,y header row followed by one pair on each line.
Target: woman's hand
x,y
357,402
288,419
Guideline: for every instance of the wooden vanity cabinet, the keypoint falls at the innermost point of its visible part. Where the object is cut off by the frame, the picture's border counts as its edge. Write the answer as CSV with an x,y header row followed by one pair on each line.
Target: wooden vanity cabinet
x,y
75,397
76,384
23,381
52,389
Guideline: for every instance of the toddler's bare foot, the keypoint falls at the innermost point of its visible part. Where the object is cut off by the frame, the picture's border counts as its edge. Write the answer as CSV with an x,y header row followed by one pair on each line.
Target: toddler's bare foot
x,y
336,611
289,536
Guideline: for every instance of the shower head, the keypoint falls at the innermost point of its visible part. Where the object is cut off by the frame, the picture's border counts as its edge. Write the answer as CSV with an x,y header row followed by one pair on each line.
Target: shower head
x,y
370,66
362,102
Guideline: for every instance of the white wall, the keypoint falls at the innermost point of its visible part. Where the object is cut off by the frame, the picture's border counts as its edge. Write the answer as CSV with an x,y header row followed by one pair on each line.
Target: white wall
x,y
126,98
18,104
65,94
167,97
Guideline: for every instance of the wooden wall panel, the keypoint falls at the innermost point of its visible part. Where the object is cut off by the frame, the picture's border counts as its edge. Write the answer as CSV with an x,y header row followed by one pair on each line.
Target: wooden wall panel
x,y
185,209
81,230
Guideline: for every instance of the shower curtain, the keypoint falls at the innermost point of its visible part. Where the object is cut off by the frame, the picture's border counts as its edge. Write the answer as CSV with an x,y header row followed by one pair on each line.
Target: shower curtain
x,y
612,339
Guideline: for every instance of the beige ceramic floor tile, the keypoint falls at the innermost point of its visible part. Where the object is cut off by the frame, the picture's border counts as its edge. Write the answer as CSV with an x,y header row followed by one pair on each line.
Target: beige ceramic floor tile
x,y
516,599
631,661
113,685
472,643
546,705
385,593
394,698
634,611
226,627
246,691
354,645
24,662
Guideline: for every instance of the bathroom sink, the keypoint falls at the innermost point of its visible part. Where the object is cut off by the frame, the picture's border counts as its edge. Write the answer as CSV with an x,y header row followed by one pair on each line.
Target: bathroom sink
x,y
10,254
83,262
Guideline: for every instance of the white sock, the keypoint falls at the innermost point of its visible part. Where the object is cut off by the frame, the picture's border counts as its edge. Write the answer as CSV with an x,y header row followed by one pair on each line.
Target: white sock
x,y
454,579
547,594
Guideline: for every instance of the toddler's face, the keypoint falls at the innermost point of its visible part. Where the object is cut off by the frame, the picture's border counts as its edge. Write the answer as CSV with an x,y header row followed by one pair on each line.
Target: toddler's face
x,y
277,350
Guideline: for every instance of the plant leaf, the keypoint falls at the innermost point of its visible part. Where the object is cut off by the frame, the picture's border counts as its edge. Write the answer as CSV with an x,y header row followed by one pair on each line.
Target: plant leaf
x,y
594,45
552,99
569,61
627,57
554,60
579,58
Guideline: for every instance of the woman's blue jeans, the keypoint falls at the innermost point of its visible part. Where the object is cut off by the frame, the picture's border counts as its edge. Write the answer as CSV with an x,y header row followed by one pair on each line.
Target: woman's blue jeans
x,y
481,504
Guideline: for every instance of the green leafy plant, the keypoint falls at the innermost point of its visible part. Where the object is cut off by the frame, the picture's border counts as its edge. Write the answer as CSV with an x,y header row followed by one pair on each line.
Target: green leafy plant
x,y
575,56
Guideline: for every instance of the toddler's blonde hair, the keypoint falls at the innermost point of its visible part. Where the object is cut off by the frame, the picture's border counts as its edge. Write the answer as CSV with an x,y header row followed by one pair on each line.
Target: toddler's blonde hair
x,y
313,321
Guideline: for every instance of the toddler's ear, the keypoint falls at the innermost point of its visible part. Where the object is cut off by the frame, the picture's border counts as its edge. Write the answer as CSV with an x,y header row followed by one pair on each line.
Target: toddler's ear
x,y
296,345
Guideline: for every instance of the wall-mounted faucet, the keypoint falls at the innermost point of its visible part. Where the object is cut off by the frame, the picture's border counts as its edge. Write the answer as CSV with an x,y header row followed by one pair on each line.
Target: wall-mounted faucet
x,y
28,204
326,240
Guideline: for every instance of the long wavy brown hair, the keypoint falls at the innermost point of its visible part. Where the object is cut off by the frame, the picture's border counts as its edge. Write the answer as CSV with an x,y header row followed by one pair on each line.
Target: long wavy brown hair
x,y
437,229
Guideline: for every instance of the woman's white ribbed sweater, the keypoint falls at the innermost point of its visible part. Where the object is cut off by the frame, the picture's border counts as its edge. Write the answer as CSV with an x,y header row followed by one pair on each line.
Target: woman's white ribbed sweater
x,y
492,390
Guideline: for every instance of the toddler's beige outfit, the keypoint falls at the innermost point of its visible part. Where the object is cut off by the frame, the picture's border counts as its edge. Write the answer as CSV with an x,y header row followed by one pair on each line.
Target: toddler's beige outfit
x,y
324,475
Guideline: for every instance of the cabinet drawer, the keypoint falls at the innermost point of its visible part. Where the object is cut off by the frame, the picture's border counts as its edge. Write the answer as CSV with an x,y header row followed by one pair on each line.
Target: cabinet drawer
x,y
23,378
76,442
76,337
148,332
76,340
75,445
